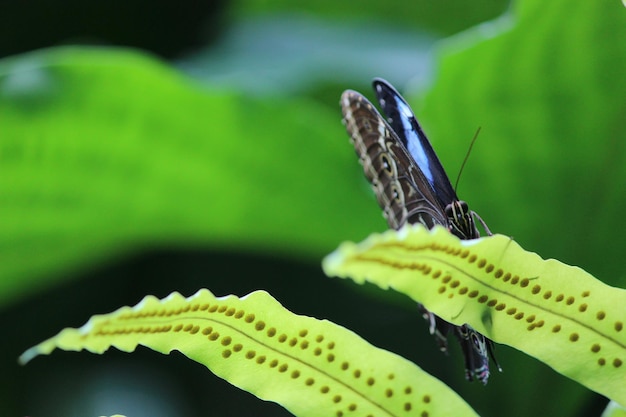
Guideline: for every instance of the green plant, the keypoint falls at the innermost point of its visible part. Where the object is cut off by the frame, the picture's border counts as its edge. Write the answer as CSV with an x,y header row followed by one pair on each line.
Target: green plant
x,y
316,368
107,152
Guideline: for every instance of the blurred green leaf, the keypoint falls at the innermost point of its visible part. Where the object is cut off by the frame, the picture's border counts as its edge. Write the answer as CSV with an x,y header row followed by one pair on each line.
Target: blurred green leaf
x,y
106,150
546,85
283,54
443,17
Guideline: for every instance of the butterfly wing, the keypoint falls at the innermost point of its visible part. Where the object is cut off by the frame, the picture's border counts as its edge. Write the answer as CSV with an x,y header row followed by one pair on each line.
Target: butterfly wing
x,y
404,123
401,189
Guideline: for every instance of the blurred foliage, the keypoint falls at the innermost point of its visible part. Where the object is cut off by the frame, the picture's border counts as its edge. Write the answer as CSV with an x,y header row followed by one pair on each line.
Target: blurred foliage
x,y
130,178
298,54
440,17
549,164
105,150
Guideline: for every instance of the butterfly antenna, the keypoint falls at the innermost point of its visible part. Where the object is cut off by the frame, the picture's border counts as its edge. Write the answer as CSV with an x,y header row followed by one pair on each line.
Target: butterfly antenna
x,y
458,177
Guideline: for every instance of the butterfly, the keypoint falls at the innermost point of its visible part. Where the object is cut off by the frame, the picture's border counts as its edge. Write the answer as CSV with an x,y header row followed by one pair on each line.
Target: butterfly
x,y
411,186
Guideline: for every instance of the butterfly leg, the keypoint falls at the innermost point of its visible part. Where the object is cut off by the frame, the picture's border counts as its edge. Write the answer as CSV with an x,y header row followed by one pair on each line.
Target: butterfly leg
x,y
437,327
491,347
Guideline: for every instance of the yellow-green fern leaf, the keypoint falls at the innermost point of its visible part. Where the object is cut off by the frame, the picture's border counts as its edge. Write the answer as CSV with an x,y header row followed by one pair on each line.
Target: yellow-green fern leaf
x,y
557,313
312,367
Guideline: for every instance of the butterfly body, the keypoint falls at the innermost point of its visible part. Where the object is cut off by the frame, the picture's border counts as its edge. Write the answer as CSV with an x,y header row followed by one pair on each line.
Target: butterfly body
x,y
411,186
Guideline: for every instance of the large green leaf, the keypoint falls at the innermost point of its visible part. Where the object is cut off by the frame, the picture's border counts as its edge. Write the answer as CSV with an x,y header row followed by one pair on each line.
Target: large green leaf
x,y
312,367
557,313
105,150
546,85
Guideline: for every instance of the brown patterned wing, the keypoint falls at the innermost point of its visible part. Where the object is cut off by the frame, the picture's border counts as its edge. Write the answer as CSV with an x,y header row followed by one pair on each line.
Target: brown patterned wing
x,y
402,191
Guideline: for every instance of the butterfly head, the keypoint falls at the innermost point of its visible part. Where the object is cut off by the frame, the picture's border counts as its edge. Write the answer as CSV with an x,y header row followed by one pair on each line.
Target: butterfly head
x,y
460,220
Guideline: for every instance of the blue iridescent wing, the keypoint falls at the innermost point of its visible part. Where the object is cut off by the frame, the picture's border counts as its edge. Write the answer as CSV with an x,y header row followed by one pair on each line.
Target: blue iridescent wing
x,y
405,125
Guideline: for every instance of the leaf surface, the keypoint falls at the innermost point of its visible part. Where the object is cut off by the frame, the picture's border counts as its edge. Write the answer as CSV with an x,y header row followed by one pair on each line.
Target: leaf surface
x,y
557,313
312,367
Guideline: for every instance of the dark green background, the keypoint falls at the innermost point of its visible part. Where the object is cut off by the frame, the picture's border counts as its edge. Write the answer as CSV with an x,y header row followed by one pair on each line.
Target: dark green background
x,y
211,154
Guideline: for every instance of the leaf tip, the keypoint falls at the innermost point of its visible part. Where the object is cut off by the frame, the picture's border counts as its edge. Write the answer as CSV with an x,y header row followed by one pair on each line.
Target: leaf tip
x,y
43,348
28,355
331,264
